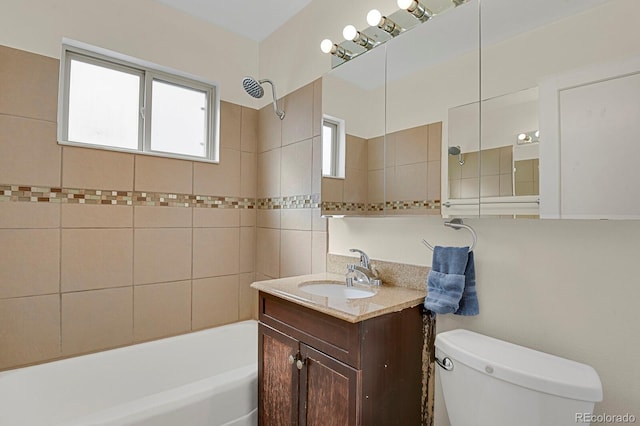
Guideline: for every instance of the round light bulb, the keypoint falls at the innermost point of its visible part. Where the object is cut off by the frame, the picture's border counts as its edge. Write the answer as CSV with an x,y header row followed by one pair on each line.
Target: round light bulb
x,y
374,17
349,32
522,136
537,133
326,45
404,4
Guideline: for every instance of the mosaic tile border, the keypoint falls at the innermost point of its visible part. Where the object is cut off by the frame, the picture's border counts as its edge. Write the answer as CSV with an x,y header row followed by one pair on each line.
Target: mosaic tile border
x,y
418,204
308,201
42,194
338,206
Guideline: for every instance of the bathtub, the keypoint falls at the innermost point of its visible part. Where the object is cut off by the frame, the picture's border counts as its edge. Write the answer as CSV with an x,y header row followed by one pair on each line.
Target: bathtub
x,y
203,378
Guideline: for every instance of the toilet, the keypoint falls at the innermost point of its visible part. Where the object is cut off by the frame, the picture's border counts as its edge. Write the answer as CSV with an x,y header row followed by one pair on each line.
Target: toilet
x,y
489,382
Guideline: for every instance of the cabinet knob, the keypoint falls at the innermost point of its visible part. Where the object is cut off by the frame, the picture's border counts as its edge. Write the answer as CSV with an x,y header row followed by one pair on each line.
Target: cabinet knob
x,y
299,364
292,359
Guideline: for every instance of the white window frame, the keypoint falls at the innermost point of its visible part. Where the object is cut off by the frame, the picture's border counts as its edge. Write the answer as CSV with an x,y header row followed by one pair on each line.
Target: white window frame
x,y
338,146
148,72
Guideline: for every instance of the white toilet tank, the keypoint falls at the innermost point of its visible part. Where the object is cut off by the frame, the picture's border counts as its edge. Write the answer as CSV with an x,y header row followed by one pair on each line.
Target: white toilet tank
x,y
496,383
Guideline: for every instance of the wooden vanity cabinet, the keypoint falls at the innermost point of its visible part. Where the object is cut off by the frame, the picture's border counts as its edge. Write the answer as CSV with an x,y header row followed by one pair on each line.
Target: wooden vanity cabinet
x,y
315,369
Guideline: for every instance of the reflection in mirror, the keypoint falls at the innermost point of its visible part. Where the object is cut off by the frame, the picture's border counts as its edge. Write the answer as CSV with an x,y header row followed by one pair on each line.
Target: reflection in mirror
x,y
507,177
463,180
429,70
394,102
433,68
546,66
333,147
353,96
395,110
412,170
534,54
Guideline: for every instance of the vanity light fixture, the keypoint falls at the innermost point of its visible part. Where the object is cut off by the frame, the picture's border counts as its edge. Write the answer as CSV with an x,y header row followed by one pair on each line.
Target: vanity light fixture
x,y
417,9
372,37
351,33
327,46
375,19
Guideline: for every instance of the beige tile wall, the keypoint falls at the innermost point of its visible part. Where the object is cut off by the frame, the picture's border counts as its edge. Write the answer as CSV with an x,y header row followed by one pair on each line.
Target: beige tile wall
x,y
496,174
290,241
402,167
78,278
354,187
413,163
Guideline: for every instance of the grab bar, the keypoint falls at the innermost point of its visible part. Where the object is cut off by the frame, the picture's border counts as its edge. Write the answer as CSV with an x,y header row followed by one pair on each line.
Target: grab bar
x,y
457,224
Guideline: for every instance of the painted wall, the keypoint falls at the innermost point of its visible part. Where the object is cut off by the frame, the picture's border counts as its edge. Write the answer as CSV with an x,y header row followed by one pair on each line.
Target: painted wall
x,y
144,29
291,56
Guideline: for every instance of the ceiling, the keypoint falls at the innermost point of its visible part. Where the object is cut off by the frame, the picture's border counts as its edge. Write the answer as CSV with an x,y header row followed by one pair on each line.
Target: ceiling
x,y
254,19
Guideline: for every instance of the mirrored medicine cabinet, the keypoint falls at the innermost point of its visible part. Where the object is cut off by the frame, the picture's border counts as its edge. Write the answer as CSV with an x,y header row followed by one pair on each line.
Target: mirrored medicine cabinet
x,y
499,108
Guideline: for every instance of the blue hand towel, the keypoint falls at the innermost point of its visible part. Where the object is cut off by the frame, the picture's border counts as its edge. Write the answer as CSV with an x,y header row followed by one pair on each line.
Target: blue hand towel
x,y
469,301
451,282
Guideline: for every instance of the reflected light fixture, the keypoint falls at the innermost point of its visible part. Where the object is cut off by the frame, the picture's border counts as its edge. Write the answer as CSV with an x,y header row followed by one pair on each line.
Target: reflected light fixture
x,y
327,46
351,33
416,8
528,137
524,138
375,19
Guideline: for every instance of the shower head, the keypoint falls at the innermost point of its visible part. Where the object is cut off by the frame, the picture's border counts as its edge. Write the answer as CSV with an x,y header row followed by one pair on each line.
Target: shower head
x,y
254,88
455,150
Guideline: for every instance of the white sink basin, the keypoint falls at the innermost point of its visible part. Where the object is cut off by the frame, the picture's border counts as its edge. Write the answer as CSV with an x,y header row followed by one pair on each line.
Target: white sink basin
x,y
335,289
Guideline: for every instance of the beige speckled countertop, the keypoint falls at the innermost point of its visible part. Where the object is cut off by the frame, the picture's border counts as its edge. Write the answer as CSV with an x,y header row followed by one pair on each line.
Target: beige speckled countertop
x,y
386,300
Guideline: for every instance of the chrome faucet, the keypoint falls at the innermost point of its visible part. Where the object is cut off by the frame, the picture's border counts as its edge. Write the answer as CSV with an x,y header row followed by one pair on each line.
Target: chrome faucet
x,y
364,273
364,259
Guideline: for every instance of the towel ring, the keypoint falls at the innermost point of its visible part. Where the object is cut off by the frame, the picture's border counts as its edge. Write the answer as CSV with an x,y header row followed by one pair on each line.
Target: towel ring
x,y
457,224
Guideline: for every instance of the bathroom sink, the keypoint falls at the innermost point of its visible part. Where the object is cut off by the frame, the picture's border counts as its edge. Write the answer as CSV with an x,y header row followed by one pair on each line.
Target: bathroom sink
x,y
335,289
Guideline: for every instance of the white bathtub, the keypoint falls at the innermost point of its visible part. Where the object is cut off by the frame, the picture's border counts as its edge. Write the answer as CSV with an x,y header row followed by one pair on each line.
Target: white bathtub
x,y
203,378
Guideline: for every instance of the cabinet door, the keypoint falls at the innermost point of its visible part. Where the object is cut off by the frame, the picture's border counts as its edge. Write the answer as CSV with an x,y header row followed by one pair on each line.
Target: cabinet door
x,y
277,378
328,391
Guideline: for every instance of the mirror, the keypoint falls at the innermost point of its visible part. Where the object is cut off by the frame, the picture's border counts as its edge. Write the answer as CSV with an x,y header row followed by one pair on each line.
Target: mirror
x,y
395,115
505,171
353,96
543,128
559,96
429,70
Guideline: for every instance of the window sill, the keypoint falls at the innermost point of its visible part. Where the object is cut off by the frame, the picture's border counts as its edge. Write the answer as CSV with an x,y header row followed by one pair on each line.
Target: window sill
x,y
137,152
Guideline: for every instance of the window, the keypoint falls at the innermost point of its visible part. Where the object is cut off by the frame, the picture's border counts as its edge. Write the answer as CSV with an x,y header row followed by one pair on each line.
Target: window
x,y
111,101
333,147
